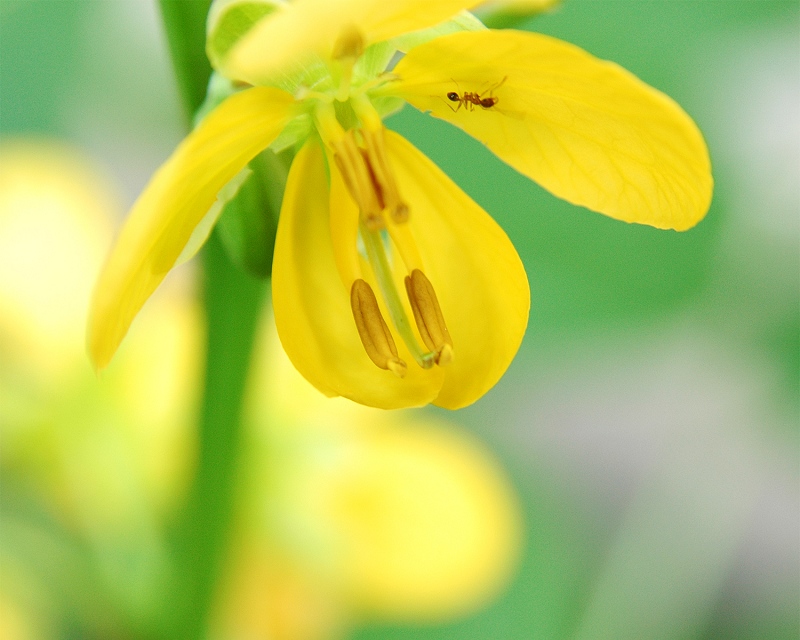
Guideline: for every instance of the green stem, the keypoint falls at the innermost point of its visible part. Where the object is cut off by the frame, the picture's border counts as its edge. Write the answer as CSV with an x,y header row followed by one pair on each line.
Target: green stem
x,y
185,26
232,302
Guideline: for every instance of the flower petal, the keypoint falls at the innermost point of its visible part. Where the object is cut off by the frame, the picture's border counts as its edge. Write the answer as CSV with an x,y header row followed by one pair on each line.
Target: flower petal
x,y
585,129
427,522
172,205
477,275
312,304
305,27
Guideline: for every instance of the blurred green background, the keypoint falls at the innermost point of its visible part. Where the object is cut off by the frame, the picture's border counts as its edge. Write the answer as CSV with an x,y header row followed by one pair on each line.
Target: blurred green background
x,y
650,420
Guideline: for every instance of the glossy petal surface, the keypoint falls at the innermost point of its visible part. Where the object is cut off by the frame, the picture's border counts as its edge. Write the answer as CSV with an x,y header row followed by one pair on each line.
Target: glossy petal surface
x,y
172,205
308,27
585,129
478,277
312,304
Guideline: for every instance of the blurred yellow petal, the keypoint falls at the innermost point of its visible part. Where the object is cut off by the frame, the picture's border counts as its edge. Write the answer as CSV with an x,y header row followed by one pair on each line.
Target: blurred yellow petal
x,y
429,526
312,304
307,27
105,455
267,596
477,275
55,222
585,129
173,204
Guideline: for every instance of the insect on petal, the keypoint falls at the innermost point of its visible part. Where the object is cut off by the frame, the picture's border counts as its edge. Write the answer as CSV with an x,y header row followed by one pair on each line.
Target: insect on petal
x,y
585,129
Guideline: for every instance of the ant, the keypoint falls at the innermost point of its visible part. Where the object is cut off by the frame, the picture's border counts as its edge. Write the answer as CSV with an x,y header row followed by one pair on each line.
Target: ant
x,y
470,99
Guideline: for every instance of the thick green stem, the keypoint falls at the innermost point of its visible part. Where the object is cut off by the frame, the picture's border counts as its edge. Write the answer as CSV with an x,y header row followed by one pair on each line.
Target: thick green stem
x,y
232,302
185,26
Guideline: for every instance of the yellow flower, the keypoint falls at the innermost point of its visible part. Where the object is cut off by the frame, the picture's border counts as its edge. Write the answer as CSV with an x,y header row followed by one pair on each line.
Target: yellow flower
x,y
87,464
371,233
99,449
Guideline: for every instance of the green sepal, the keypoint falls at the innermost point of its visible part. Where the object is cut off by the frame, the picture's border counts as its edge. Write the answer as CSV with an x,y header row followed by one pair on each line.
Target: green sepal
x,y
249,220
229,20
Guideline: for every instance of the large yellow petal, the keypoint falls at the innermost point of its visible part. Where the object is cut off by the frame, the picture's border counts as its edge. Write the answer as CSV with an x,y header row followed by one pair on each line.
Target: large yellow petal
x,y
173,204
312,304
477,275
585,129
288,36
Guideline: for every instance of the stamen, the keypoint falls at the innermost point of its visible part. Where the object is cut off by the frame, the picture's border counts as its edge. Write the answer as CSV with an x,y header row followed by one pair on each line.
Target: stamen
x,y
346,51
403,239
372,329
373,133
376,255
359,181
349,159
376,154
428,316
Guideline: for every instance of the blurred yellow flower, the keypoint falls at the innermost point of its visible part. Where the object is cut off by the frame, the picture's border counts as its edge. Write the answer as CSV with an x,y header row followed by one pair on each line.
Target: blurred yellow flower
x,y
356,514
365,211
107,452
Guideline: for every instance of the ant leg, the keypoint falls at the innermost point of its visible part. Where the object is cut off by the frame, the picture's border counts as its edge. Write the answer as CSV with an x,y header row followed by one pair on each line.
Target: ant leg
x,y
494,87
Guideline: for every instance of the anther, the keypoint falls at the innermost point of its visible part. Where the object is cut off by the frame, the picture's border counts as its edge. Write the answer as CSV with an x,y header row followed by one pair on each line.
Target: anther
x,y
349,45
359,181
384,178
373,331
428,316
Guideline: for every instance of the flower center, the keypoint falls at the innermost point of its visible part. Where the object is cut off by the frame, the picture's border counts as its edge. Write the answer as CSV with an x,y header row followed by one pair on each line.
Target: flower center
x,y
360,155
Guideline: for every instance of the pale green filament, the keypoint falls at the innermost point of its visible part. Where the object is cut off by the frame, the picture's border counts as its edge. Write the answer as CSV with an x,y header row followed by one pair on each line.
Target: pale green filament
x,y
376,254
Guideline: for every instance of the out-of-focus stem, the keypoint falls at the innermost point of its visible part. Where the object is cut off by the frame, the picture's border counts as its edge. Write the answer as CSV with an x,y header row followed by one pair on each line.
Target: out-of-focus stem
x,y
232,302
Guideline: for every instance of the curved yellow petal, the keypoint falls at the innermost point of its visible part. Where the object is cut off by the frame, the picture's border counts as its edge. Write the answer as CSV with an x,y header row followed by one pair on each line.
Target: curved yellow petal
x,y
477,275
312,304
174,202
585,129
305,27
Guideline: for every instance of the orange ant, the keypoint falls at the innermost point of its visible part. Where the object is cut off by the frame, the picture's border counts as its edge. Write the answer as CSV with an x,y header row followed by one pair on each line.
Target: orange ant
x,y
471,99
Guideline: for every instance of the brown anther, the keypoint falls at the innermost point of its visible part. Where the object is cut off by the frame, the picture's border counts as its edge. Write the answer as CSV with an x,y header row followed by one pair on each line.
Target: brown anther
x,y
383,176
359,181
349,45
428,316
400,213
373,331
